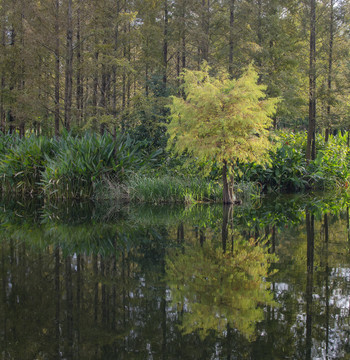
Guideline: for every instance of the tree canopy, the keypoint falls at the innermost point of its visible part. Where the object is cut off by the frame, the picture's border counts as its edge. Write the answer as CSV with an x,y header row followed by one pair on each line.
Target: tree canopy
x,y
222,119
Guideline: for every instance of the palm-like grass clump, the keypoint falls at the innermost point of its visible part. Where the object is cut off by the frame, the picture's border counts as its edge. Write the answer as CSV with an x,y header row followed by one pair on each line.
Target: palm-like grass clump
x,y
68,167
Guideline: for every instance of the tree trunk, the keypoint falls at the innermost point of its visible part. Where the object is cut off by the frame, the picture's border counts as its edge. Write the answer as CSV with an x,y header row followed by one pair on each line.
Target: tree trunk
x,y
232,19
57,70
79,91
2,82
311,135
227,188
114,73
330,66
205,29
69,70
165,44
183,35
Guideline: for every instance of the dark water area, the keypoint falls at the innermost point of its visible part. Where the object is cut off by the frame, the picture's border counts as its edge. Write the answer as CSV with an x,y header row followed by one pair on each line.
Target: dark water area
x,y
100,281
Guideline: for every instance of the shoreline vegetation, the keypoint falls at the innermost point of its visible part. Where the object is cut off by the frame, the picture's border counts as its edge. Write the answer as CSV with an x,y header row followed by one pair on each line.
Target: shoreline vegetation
x,y
126,170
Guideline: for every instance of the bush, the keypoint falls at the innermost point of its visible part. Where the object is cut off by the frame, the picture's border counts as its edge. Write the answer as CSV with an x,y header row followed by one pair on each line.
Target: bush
x,y
288,170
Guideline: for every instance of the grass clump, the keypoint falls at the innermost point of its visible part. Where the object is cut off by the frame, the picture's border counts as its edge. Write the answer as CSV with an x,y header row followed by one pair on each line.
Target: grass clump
x,y
23,161
163,189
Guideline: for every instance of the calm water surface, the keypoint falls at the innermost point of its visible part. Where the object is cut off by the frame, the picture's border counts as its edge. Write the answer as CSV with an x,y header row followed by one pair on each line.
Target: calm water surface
x,y
95,281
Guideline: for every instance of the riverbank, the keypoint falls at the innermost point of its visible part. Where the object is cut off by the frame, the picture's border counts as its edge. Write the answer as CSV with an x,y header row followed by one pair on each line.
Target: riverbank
x,y
103,167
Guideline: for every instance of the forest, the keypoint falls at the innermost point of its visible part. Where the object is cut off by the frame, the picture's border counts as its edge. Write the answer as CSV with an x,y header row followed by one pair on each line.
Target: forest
x,y
88,88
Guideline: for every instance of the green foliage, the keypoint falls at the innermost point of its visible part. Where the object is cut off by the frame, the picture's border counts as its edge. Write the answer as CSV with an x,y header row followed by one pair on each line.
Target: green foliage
x,y
288,170
172,189
71,166
22,162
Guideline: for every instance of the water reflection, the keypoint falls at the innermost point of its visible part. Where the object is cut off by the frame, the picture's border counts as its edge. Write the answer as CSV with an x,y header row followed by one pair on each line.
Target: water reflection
x,y
84,281
219,290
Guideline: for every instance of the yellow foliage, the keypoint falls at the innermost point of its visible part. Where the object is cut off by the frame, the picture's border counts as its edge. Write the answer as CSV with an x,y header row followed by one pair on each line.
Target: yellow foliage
x,y
222,119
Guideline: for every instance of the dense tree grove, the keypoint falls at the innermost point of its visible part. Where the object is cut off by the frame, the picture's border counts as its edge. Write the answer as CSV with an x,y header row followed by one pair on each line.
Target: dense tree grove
x,y
112,65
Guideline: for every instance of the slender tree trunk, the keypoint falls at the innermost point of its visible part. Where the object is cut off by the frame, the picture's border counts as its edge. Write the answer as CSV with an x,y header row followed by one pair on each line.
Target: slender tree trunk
x,y
259,31
183,34
330,67
165,44
147,69
129,62
79,90
57,70
2,81
69,69
21,85
11,118
231,40
311,135
95,82
124,83
102,104
205,29
114,74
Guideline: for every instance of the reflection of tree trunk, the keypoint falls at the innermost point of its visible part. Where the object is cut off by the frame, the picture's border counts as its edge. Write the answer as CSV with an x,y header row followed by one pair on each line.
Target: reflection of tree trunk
x,y
180,233
224,230
227,188
326,231
58,296
69,299
96,288
103,291
201,236
124,290
273,240
164,332
114,289
348,222
310,231
78,299
229,341
4,297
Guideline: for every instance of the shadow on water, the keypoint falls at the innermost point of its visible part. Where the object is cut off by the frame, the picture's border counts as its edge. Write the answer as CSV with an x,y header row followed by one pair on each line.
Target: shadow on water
x,y
103,281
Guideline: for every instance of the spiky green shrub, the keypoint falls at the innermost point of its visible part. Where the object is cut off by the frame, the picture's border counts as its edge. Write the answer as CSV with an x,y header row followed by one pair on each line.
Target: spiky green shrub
x,y
81,162
23,160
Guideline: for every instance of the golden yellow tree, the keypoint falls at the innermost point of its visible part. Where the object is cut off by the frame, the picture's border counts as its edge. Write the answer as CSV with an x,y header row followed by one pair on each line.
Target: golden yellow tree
x,y
223,120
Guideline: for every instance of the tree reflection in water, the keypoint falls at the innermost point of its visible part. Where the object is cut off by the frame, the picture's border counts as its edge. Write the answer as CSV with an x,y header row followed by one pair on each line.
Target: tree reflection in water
x,y
221,289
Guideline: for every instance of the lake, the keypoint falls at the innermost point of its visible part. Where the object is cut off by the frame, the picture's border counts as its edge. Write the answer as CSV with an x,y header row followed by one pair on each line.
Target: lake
x,y
268,280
